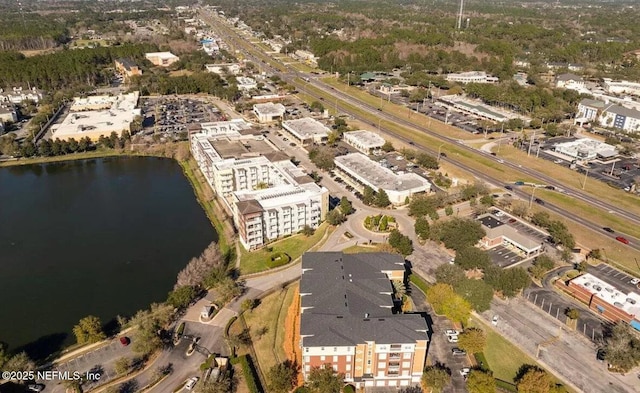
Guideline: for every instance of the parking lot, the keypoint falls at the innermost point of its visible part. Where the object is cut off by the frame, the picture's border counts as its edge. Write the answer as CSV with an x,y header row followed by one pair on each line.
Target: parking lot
x,y
556,304
615,277
503,256
171,115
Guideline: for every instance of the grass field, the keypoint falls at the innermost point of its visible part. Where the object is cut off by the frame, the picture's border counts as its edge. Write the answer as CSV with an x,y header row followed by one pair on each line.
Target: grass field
x,y
294,246
359,249
266,326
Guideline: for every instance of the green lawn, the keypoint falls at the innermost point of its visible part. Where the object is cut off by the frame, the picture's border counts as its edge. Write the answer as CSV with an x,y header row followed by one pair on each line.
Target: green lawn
x,y
359,249
294,246
419,282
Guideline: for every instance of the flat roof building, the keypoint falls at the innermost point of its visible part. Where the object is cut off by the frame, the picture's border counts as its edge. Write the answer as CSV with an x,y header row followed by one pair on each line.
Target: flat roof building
x,y
367,172
307,130
480,109
605,299
222,68
162,59
98,115
366,142
472,77
8,113
349,319
585,149
17,95
245,83
499,233
267,196
268,112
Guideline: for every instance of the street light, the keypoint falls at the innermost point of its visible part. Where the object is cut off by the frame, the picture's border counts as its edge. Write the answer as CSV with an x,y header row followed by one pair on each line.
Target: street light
x,y
532,194
439,147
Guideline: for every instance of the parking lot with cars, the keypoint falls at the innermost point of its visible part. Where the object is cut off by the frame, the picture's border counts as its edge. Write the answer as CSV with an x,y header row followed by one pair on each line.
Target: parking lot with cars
x,y
171,115
615,277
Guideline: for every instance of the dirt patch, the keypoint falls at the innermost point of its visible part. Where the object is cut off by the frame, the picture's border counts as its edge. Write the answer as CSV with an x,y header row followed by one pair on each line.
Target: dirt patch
x,y
37,52
292,333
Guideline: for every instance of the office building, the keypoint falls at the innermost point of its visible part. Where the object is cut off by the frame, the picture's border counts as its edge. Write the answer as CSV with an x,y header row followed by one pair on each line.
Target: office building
x,y
268,112
307,131
161,59
366,142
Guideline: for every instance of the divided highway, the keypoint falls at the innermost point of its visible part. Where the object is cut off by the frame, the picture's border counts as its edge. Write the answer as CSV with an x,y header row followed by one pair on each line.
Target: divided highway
x,y
294,78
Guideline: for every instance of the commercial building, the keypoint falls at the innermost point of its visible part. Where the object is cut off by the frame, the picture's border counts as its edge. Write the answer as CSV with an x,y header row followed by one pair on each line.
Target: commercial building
x,y
8,113
621,87
349,320
366,142
127,68
266,194
586,149
480,109
589,110
98,115
472,77
367,172
222,68
162,59
307,130
17,95
245,83
268,112
500,234
605,299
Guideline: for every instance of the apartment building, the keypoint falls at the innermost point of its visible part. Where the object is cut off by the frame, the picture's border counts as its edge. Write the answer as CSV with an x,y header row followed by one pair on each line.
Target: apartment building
x,y
608,115
349,320
17,95
127,68
267,195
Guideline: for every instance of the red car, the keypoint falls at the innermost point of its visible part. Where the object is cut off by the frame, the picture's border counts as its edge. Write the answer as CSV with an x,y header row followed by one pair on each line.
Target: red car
x,y
622,239
124,341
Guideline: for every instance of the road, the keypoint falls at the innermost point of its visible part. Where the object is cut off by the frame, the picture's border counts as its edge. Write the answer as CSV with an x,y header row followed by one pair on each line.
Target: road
x,y
298,79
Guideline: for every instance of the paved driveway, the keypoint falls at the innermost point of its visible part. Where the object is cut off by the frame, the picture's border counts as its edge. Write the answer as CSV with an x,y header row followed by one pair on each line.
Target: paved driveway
x,y
503,256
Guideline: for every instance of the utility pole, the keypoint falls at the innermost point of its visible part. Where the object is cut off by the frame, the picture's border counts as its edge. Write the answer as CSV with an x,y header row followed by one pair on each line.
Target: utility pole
x,y
612,166
459,25
585,178
531,142
533,192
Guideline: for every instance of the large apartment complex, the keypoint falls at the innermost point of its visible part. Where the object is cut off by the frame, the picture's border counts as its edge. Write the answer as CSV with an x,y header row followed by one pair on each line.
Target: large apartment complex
x,y
348,320
267,195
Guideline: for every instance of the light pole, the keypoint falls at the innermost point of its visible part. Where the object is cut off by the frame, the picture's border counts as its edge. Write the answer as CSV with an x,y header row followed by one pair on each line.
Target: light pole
x,y
531,199
439,147
585,178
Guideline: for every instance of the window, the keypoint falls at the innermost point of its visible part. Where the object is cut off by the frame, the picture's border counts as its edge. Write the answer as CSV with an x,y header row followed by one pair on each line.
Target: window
x,y
348,358
396,347
394,355
335,358
407,355
347,376
322,358
382,356
381,364
406,364
348,367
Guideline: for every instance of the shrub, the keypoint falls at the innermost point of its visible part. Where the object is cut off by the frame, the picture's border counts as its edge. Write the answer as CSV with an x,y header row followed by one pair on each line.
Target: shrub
x,y
250,375
278,259
348,389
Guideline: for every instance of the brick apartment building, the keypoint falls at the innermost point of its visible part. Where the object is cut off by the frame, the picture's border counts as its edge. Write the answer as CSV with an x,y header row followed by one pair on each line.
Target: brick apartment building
x,y
348,320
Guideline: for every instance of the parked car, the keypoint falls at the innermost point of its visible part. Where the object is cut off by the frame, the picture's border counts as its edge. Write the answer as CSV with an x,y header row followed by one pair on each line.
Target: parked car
x,y
125,341
494,321
458,352
508,188
622,239
191,382
635,281
452,339
35,387
465,371
607,229
451,332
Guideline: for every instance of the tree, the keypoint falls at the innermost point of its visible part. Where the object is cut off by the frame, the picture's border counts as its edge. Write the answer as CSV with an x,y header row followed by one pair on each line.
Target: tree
x,y
345,206
400,242
450,274
541,219
399,288
335,217
448,210
248,304
382,199
308,231
387,147
323,380
480,382
122,365
572,313
322,157
368,195
473,340
446,302
89,330
282,377
622,348
533,380
18,362
181,297
457,233
198,268
541,266
510,281
421,227
223,385
317,106
472,257
477,292
147,340
434,379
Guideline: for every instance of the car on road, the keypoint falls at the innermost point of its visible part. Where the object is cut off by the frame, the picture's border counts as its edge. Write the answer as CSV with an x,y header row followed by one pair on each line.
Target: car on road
x,y
513,220
465,371
607,229
191,382
458,352
622,239
292,144
539,201
601,354
125,341
451,332
508,188
494,320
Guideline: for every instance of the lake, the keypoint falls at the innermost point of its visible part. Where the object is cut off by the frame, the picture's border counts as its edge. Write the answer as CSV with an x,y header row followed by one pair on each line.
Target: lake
x,y
102,237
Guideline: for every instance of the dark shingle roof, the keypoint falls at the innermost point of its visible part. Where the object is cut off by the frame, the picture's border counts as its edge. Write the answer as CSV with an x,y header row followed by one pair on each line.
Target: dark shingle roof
x,y
347,299
249,206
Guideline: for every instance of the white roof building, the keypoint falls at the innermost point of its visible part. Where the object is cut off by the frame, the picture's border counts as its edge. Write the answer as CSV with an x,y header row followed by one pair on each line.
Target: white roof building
x,y
268,112
232,68
163,59
245,83
368,172
307,130
570,81
472,77
365,141
586,149
621,87
18,94
98,115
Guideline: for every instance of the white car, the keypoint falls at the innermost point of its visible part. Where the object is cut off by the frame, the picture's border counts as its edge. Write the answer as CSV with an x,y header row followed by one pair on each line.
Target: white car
x,y
494,321
451,332
465,371
635,281
191,382
499,214
452,339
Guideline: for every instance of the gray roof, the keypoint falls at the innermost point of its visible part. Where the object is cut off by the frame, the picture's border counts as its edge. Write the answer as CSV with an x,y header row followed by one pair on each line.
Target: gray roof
x,y
623,111
592,103
569,77
347,299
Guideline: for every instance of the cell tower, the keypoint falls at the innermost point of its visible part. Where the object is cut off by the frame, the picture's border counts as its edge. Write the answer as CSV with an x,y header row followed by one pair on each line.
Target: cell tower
x,y
459,25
